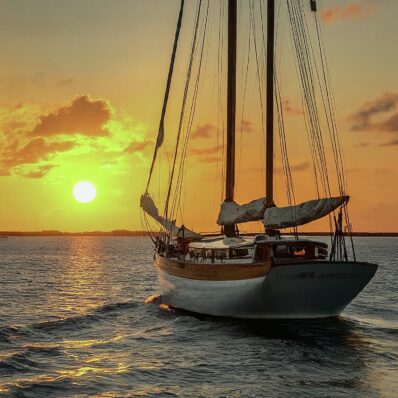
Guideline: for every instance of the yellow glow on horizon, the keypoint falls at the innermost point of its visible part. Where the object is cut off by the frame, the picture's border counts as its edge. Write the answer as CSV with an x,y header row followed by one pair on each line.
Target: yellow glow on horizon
x,y
84,192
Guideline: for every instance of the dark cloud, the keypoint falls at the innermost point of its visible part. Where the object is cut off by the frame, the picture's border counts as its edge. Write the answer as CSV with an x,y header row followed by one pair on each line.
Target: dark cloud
x,y
379,115
83,116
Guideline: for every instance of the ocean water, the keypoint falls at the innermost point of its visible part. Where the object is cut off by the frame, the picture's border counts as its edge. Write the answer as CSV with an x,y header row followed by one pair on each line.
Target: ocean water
x,y
73,323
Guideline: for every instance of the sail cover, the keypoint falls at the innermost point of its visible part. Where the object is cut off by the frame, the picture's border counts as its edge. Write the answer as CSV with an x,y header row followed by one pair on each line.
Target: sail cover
x,y
304,213
231,213
150,208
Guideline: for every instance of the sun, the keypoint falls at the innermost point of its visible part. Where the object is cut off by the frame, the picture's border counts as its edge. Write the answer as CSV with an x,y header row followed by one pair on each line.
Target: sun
x,y
84,191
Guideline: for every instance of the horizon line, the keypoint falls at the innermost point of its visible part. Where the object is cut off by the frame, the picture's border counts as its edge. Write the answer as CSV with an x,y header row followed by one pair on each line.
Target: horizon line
x,y
125,232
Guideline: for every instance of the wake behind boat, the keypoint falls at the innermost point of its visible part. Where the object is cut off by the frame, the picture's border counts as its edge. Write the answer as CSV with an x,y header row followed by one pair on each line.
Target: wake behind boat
x,y
266,275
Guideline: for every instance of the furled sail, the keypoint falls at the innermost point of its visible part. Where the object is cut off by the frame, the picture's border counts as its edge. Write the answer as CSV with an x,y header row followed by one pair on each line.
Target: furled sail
x,y
304,213
231,213
150,208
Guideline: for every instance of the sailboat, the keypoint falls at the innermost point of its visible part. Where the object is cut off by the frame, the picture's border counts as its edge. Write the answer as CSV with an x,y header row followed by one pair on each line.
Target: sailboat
x,y
266,275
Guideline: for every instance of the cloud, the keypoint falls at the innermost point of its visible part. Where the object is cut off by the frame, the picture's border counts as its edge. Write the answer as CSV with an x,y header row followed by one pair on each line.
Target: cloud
x,y
38,172
209,159
138,146
292,109
349,11
65,82
17,120
33,152
362,145
209,130
297,167
207,155
300,167
205,151
390,143
246,126
33,140
83,116
379,115
204,131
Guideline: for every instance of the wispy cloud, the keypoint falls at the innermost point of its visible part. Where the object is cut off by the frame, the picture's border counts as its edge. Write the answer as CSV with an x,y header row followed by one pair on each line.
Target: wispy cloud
x,y
65,82
351,10
362,145
36,172
209,159
393,143
208,130
292,109
246,126
205,151
204,131
138,146
304,166
380,115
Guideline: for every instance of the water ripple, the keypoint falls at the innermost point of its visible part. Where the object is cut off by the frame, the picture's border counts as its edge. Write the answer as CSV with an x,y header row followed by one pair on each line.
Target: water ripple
x,y
73,323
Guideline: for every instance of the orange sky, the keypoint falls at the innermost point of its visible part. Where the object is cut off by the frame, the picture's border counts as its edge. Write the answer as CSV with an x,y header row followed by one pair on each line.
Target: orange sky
x,y
81,88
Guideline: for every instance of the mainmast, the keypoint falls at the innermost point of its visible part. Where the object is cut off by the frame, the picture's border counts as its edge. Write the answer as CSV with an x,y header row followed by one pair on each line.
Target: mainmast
x,y
229,230
270,104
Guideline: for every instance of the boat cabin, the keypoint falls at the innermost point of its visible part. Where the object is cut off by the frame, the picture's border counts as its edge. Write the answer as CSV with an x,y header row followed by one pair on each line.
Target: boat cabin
x,y
254,250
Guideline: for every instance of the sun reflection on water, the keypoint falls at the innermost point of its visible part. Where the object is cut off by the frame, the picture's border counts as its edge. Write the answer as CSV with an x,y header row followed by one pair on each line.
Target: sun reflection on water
x,y
82,279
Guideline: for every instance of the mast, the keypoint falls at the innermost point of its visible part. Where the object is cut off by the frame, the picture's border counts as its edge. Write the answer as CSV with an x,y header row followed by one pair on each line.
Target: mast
x,y
270,104
229,230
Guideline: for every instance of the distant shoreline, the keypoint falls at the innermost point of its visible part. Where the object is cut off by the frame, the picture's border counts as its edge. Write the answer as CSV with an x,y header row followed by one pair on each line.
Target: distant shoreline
x,y
128,233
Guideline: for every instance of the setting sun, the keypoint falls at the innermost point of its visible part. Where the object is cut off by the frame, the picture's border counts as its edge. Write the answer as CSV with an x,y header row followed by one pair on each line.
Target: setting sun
x,y
84,191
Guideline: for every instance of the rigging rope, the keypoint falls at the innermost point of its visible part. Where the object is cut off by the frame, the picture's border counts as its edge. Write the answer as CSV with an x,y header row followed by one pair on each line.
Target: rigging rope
x,y
182,167
185,96
176,201
310,71
160,136
306,72
260,90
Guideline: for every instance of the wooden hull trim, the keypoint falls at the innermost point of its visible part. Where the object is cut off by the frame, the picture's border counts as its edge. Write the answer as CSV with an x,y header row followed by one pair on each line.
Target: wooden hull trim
x,y
211,272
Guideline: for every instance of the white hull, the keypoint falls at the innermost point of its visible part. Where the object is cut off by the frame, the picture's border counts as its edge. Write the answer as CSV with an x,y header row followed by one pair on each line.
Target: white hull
x,y
305,290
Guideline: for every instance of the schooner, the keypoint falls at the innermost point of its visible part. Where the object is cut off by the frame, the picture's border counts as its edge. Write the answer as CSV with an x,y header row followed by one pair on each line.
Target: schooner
x,y
266,275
